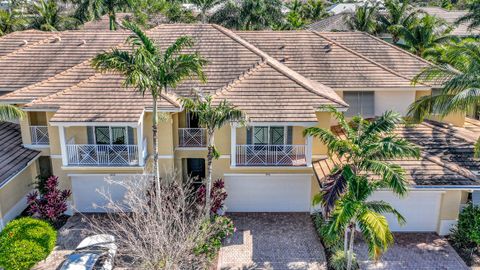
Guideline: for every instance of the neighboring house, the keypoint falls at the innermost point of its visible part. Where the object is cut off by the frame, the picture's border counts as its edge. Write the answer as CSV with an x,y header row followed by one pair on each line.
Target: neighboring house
x,y
334,23
280,79
451,16
343,8
18,167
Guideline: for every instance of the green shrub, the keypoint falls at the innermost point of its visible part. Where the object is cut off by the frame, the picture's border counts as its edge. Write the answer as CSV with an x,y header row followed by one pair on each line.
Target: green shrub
x,y
466,234
219,228
338,261
24,242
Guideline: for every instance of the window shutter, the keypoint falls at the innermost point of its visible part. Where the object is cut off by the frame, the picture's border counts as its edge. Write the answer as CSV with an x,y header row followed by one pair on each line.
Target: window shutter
x,y
131,136
353,100
289,135
367,102
249,135
90,135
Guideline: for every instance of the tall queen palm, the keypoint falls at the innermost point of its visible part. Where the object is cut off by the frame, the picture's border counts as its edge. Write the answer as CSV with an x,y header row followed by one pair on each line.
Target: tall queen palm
x,y
212,117
94,9
149,70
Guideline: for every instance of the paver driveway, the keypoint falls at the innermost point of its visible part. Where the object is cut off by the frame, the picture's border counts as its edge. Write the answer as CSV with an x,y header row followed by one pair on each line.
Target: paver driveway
x,y
275,241
413,251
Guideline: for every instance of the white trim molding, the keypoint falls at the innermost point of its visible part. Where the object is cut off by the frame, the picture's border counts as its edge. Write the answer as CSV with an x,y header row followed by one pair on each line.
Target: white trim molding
x,y
93,124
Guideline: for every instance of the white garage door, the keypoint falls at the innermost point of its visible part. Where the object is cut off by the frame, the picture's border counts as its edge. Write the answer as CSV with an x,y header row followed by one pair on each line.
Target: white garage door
x,y
268,193
421,210
87,189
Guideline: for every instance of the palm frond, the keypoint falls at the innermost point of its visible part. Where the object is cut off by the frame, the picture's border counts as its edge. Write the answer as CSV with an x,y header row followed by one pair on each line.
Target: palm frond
x,y
382,207
333,188
393,176
477,149
10,113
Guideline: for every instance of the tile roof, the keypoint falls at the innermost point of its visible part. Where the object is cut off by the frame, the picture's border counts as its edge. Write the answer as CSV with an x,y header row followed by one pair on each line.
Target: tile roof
x,y
451,16
229,58
282,99
100,98
335,22
22,39
324,60
381,52
38,61
446,158
13,156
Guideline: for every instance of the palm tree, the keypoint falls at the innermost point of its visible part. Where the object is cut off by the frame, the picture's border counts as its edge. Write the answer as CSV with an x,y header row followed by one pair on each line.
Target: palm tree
x,y
250,14
11,21
424,33
364,19
473,15
205,6
10,112
150,70
353,210
365,151
398,14
94,9
212,118
313,10
458,72
48,17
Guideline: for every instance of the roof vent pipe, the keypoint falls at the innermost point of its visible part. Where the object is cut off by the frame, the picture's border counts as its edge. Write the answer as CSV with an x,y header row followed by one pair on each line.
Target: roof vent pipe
x,y
57,39
83,42
328,47
25,43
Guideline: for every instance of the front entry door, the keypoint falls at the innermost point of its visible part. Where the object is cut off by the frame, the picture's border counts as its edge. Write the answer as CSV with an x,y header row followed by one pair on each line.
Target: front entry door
x,y
196,170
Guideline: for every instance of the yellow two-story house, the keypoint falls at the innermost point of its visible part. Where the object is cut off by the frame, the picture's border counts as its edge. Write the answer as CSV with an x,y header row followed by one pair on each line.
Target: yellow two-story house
x,y
84,126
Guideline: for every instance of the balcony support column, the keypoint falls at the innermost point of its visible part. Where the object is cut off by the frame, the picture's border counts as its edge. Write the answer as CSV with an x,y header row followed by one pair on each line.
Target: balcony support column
x,y
308,150
63,145
233,144
140,146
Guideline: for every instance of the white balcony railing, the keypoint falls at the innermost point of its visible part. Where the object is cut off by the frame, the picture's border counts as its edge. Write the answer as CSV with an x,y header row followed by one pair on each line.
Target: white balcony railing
x,y
39,135
102,155
192,137
271,155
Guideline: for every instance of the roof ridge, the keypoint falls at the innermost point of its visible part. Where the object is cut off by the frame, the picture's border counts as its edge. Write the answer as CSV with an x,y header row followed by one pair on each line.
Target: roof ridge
x,y
244,75
42,41
397,48
290,73
363,56
44,81
452,167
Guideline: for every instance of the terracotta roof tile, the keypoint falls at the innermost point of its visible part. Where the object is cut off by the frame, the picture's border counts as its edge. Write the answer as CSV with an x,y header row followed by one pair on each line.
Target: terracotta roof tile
x,y
13,156
446,159
40,61
320,60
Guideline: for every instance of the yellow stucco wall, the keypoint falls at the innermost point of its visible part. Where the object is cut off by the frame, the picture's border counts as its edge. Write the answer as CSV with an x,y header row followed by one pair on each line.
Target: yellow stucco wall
x,y
17,188
456,119
450,206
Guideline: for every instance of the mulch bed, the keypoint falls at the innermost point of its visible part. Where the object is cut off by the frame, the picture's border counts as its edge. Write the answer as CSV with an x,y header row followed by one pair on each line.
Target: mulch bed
x,y
471,259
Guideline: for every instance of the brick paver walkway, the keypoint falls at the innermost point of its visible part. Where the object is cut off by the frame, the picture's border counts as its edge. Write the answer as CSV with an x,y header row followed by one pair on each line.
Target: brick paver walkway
x,y
413,251
277,241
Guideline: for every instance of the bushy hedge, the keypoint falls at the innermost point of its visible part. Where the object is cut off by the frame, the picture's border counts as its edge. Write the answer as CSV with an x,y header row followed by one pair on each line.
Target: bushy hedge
x,y
221,227
465,235
24,242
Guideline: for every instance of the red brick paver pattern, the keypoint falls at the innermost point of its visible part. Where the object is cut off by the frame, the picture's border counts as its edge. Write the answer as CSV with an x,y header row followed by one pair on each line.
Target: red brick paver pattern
x,y
277,241
413,251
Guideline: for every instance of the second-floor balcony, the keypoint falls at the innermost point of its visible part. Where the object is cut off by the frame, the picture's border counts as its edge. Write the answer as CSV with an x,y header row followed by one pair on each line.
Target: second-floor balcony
x,y
271,155
104,154
39,135
192,137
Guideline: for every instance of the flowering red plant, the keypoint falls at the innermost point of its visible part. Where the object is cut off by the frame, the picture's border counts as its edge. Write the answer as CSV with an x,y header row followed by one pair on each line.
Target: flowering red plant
x,y
217,196
52,204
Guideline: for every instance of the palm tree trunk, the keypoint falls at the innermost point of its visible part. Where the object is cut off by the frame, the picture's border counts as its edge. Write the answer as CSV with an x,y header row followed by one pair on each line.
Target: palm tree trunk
x,y
156,177
204,16
113,19
345,241
350,248
208,186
